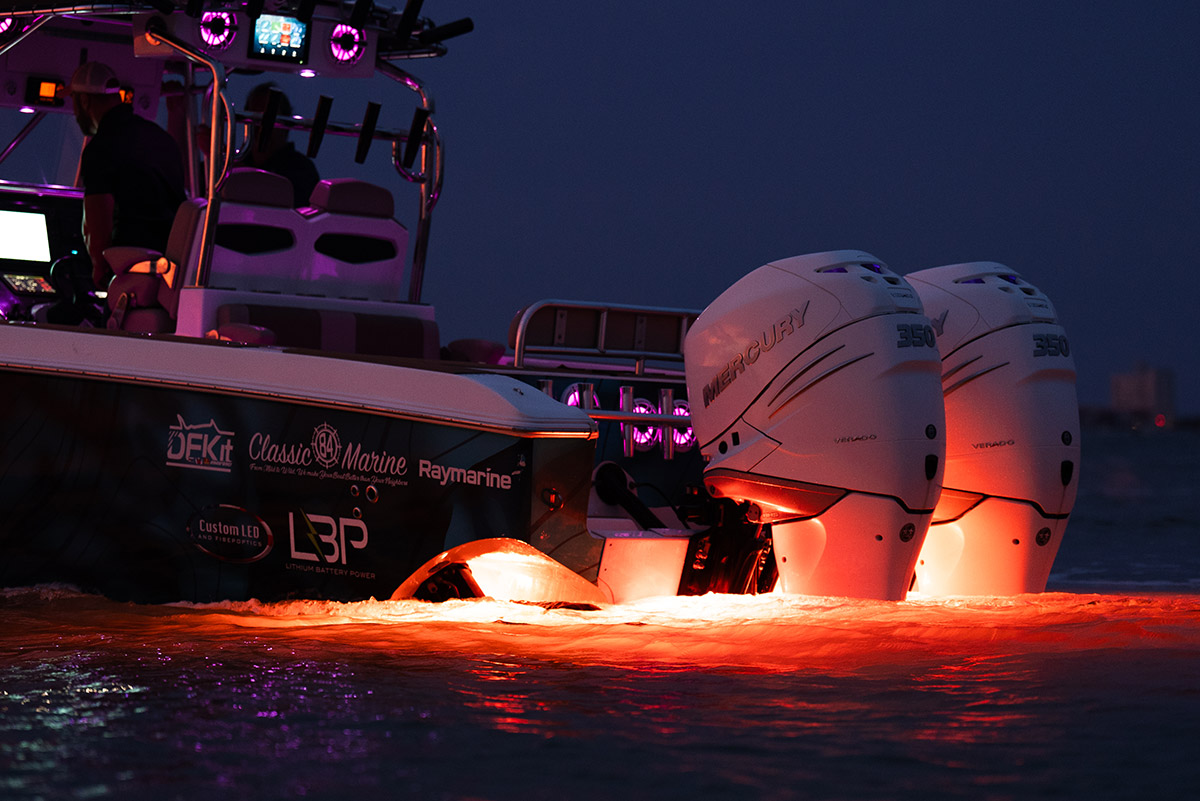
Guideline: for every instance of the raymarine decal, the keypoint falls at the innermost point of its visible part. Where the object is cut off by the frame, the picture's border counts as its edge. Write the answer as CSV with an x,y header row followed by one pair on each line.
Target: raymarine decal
x,y
199,447
751,353
444,475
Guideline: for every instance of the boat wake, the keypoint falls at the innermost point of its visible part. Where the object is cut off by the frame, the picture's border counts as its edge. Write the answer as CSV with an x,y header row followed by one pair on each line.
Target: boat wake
x,y
774,633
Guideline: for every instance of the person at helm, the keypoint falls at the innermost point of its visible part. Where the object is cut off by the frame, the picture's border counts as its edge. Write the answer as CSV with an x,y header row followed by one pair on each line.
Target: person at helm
x,y
131,171
277,154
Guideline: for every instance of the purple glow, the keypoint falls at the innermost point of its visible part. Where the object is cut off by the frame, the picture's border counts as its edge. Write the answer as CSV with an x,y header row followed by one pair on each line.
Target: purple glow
x,y
644,437
217,29
346,43
27,109
684,437
5,23
573,397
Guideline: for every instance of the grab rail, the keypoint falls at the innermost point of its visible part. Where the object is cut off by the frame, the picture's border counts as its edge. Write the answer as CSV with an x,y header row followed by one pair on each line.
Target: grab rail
x,y
610,331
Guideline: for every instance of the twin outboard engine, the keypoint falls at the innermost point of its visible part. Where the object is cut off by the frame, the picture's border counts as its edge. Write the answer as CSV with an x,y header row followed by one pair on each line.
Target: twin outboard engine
x,y
1012,432
816,400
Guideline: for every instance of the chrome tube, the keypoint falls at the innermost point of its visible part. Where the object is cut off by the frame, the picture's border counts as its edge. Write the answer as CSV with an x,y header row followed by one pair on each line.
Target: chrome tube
x,y
430,175
37,23
217,70
22,134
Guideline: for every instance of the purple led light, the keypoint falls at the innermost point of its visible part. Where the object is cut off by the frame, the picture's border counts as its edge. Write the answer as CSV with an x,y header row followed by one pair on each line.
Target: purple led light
x,y
573,397
684,437
5,23
644,437
217,29
346,43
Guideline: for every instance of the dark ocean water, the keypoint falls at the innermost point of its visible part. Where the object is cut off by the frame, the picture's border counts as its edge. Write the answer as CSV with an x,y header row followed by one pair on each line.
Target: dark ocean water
x,y
1091,690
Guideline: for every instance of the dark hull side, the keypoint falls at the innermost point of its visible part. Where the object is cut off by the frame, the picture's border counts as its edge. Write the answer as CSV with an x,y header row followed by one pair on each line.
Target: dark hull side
x,y
153,494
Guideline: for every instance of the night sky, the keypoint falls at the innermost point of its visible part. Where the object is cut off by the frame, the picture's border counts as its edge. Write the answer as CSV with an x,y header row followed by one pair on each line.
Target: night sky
x,y
656,152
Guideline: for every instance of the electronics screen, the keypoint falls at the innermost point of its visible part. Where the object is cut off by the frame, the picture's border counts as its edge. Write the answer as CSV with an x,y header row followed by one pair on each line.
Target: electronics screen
x,y
24,236
28,284
280,38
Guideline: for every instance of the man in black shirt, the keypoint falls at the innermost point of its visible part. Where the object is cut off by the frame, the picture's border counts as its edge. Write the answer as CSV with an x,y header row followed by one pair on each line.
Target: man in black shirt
x,y
132,176
131,170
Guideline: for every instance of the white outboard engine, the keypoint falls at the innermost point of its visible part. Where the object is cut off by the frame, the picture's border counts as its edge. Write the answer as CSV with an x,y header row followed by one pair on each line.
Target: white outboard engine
x,y
1012,432
814,392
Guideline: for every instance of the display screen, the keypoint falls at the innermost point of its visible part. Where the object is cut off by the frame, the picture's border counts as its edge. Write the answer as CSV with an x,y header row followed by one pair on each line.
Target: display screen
x,y
28,284
280,38
23,236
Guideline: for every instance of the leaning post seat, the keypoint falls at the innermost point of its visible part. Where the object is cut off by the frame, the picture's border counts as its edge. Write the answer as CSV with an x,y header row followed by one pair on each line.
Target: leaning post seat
x,y
329,276
358,248
257,244
144,293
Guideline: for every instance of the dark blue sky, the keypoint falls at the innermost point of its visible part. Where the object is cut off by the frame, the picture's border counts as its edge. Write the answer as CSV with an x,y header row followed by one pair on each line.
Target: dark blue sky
x,y
656,152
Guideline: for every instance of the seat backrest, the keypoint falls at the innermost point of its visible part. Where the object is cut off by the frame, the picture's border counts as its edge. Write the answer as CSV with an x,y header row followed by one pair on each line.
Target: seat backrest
x,y
357,247
351,196
183,247
256,187
257,244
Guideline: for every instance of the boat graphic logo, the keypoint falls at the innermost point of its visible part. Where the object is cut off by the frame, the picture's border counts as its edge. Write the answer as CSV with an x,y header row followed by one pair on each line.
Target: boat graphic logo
x,y
326,445
199,447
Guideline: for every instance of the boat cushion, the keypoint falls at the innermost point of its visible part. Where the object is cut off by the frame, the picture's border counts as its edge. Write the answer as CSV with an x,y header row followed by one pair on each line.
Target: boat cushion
x,y
257,188
142,290
337,330
351,196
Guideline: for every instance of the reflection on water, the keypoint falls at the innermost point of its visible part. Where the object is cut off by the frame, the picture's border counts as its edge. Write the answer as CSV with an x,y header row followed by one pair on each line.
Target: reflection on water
x,y
716,697
1089,691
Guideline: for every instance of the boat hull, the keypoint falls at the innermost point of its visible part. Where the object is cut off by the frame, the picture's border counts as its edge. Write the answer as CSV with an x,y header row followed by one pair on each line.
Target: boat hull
x,y
152,492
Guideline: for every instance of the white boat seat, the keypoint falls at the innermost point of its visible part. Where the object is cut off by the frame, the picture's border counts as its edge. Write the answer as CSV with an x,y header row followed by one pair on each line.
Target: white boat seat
x,y
256,234
351,196
257,188
144,293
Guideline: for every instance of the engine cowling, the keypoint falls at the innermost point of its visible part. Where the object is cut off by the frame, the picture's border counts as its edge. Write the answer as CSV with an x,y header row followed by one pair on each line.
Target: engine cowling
x,y
1012,428
815,397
